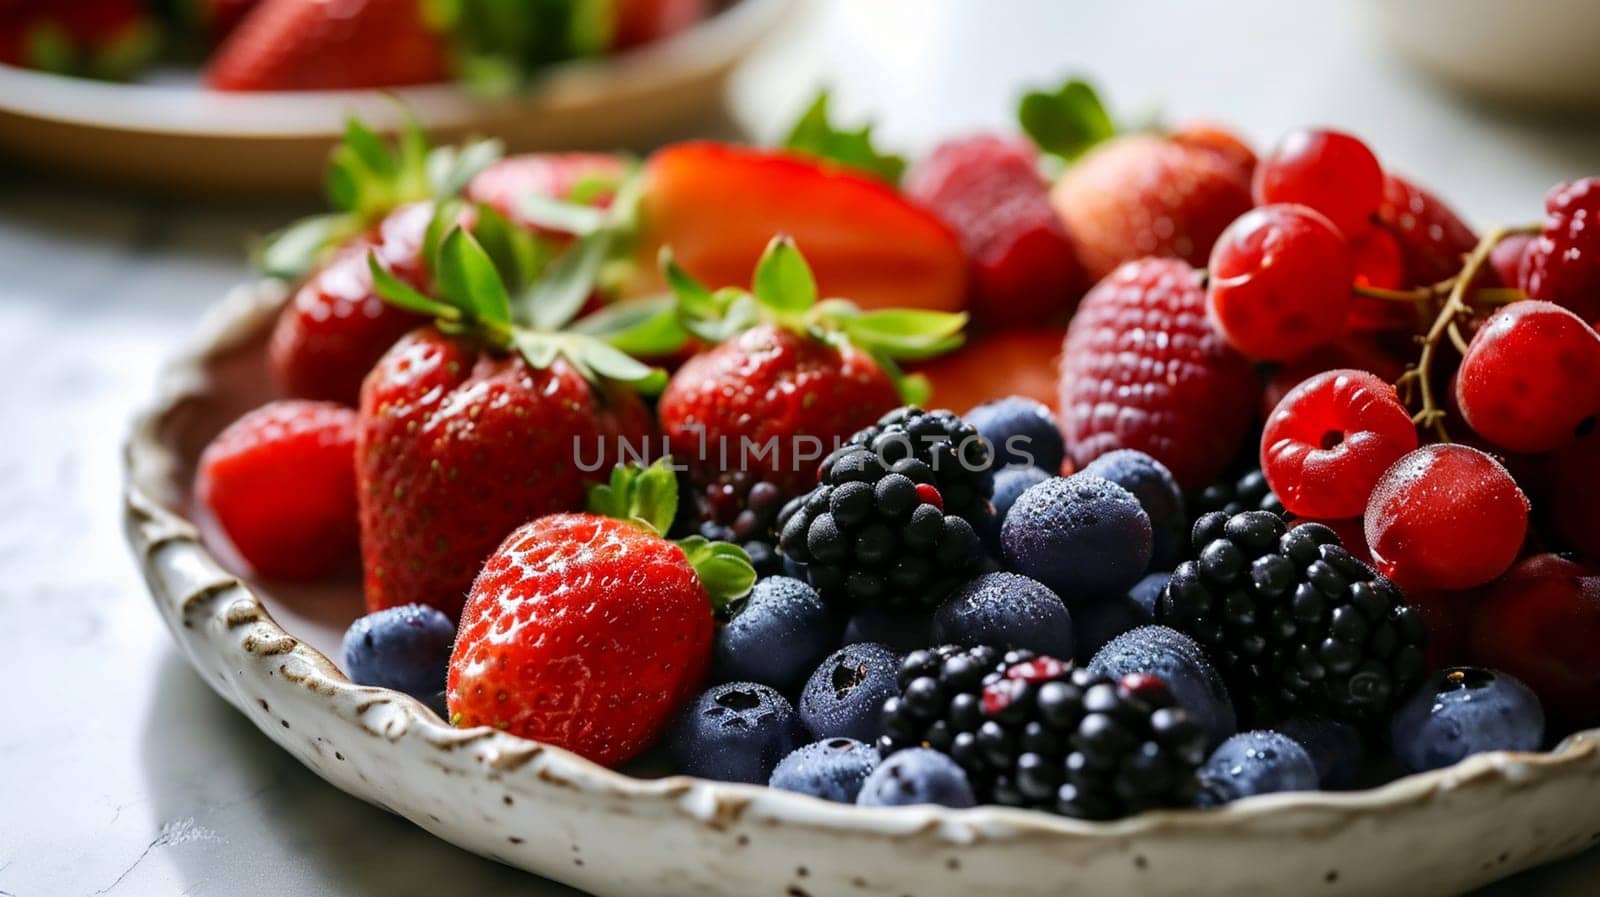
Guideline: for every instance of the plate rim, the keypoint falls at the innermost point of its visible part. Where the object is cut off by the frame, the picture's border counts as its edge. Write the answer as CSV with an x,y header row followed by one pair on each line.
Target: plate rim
x,y
167,547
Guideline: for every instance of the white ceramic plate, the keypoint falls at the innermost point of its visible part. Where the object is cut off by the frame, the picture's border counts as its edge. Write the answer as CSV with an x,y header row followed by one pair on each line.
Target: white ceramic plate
x,y
553,813
177,135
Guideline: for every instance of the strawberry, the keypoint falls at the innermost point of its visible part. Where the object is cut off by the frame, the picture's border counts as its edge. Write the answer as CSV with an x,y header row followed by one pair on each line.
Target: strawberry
x,y
588,179
99,38
280,482
1220,140
995,365
336,327
330,45
1142,368
475,425
790,377
718,205
219,18
640,22
589,631
1141,195
1024,266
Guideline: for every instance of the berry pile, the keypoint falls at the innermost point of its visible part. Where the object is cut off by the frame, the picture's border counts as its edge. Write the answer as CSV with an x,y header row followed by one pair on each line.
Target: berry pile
x,y
1123,602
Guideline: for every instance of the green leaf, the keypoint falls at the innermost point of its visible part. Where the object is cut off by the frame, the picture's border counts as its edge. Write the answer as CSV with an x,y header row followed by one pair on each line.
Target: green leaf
x,y
724,569
468,278
604,360
783,281
637,327
815,135
368,149
1066,122
291,253
914,389
647,496
693,298
450,168
562,217
518,253
538,349
398,293
904,333
567,283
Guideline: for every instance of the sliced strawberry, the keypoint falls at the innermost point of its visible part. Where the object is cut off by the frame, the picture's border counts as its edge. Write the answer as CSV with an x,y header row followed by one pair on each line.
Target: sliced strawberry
x,y
717,206
1024,266
330,45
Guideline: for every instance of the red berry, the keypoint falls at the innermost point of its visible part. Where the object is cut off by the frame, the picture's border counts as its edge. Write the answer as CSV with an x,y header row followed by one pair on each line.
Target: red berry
x,y
1563,263
1541,624
281,482
1378,261
1530,380
1217,139
1330,171
1383,354
1280,282
928,494
1448,617
988,189
1433,238
1506,258
1331,439
1570,504
1446,517
1142,368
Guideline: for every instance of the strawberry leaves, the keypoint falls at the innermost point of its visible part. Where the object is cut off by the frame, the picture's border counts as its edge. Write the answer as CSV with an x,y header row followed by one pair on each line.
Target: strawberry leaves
x,y
815,135
647,497
784,292
472,299
1066,122
366,179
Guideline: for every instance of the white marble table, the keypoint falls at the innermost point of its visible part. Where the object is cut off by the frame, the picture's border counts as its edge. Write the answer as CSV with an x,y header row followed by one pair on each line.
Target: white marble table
x,y
121,774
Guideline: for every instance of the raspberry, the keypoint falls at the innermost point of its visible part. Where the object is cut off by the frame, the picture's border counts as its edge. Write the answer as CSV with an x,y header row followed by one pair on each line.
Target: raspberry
x,y
1530,381
988,190
1280,282
1562,265
1330,171
281,482
1142,368
1329,441
1445,517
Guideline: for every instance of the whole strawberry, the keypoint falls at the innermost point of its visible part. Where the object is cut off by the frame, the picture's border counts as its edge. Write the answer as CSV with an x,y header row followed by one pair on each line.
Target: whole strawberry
x,y
791,376
588,631
1142,368
1562,265
330,45
475,425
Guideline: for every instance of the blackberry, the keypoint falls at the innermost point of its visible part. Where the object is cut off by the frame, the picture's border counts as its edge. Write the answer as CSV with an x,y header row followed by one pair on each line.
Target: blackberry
x,y
733,509
1249,492
1032,731
949,453
872,533
1295,623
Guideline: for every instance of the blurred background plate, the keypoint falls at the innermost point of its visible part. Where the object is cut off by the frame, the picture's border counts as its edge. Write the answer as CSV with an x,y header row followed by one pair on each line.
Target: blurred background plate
x,y
178,136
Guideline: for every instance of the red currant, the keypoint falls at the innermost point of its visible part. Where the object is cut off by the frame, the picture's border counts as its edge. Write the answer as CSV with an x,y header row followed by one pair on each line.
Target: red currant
x,y
1505,259
1331,439
1540,623
1383,354
1574,471
1330,171
1378,261
1445,517
1530,380
1280,282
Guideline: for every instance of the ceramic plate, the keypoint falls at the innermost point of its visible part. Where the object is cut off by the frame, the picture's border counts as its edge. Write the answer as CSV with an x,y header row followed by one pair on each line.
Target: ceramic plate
x,y
548,811
176,135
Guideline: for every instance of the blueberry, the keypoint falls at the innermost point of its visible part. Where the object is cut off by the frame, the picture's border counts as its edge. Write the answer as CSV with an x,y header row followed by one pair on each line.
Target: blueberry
x,y
736,732
1008,611
1176,659
1082,536
902,630
1008,485
917,776
1252,763
1153,485
1335,748
844,697
1099,621
833,769
1023,432
405,648
1465,710
777,637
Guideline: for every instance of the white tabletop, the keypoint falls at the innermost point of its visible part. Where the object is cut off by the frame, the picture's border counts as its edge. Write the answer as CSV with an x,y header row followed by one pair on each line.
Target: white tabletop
x,y
120,773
